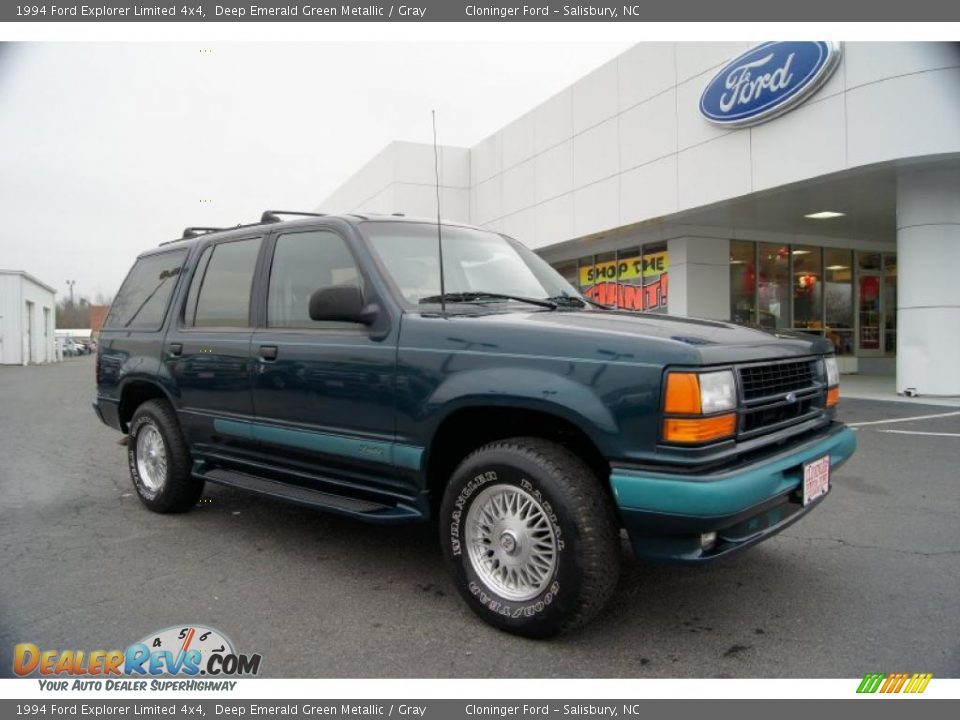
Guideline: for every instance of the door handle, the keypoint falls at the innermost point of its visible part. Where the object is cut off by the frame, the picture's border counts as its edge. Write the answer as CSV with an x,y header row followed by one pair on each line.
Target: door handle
x,y
268,352
176,349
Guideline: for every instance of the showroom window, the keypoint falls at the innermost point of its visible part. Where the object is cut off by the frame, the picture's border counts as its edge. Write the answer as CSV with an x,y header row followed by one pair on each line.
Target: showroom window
x,y
743,282
848,297
890,302
773,289
807,288
633,278
838,299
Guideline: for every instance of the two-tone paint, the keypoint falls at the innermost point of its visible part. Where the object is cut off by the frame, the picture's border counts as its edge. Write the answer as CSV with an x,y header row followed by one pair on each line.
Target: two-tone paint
x,y
355,412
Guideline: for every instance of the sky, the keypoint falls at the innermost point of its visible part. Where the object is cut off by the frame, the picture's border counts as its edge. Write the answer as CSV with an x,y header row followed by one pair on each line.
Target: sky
x,y
107,149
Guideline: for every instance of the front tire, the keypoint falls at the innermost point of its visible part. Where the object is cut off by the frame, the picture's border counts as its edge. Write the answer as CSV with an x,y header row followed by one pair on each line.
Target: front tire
x,y
159,460
530,536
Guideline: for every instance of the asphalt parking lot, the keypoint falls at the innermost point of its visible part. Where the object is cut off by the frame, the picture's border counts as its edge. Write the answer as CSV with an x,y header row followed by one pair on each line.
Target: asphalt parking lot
x,y
869,582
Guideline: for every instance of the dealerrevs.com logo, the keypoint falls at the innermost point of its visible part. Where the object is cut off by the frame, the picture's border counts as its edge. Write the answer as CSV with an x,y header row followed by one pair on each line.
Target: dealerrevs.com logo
x,y
182,651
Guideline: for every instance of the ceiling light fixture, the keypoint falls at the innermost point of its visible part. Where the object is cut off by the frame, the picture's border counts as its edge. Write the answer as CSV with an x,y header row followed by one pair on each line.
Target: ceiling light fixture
x,y
838,267
824,215
801,252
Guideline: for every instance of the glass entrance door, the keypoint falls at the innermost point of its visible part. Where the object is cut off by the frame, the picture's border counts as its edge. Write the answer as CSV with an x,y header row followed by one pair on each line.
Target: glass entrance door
x,y
876,298
869,314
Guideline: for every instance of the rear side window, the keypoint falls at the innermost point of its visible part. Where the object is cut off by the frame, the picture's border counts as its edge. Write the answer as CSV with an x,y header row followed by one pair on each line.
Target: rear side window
x,y
219,295
142,300
303,263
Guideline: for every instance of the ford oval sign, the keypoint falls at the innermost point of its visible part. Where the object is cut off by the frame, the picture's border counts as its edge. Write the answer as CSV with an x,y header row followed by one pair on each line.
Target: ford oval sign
x,y
767,81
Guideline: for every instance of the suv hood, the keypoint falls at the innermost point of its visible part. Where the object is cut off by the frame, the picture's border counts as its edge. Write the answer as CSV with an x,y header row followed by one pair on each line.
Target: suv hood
x,y
625,336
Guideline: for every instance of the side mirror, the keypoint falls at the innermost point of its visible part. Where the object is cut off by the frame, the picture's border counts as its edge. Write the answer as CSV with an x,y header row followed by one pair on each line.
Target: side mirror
x,y
341,303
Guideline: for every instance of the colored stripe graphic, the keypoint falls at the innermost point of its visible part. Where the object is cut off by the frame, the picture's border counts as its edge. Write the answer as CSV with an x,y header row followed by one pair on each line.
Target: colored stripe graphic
x,y
894,682
871,682
406,456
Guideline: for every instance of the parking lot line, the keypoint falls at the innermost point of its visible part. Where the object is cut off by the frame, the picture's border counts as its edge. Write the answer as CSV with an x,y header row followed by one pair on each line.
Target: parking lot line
x,y
918,432
908,419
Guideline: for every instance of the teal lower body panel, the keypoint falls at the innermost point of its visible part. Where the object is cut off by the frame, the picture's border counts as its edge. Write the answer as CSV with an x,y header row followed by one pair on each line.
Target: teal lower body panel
x,y
666,514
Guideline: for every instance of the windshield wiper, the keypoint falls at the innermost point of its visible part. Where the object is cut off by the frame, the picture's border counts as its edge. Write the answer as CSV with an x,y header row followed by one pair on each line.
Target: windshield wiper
x,y
478,296
572,301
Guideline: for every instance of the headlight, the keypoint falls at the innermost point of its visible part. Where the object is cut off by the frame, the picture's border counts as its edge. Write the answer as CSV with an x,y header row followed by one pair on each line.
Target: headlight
x,y
833,372
717,392
704,402
833,380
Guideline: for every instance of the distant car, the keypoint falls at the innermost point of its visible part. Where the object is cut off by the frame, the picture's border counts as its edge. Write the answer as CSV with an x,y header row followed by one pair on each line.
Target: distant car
x,y
70,348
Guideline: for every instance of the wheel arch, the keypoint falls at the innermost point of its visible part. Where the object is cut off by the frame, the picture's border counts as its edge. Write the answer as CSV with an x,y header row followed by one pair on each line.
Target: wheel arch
x,y
133,393
472,424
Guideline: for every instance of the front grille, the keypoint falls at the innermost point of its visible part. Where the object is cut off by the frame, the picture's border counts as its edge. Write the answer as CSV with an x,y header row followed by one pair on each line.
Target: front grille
x,y
765,417
760,381
778,395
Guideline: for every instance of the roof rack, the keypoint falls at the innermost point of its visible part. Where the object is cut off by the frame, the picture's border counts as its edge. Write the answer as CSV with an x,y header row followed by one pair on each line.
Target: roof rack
x,y
272,216
192,232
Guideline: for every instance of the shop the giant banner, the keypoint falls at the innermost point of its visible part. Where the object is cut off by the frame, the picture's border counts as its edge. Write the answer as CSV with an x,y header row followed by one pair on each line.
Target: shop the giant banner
x,y
632,283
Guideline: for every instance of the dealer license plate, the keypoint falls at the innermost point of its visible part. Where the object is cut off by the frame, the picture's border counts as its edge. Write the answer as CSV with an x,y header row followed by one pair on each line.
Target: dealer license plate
x,y
816,479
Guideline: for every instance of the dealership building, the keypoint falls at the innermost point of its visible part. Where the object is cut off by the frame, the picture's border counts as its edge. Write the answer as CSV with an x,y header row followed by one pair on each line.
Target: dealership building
x,y
812,187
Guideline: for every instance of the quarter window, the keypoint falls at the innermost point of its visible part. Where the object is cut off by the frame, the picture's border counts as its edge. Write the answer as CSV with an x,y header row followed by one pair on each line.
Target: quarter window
x,y
302,264
224,278
142,300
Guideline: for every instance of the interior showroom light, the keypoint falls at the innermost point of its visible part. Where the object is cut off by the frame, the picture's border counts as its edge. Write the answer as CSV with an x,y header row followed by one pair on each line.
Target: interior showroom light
x,y
824,215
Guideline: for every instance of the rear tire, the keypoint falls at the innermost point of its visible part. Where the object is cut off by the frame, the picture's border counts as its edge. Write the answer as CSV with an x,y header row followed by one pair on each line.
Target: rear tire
x,y
530,536
159,460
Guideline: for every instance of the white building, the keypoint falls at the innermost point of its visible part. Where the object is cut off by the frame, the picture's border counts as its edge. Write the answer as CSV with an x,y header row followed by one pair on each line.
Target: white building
x,y
27,317
835,210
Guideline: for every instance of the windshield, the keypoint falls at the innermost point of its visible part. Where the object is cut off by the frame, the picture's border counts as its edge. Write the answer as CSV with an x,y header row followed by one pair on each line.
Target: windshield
x,y
474,261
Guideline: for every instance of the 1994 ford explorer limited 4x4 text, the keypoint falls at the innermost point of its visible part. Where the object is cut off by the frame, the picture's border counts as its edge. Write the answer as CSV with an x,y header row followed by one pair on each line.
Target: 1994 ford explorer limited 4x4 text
x,y
319,361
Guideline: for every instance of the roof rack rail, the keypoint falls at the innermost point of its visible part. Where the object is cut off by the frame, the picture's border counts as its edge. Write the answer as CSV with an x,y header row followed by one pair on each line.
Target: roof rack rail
x,y
272,216
196,231
192,232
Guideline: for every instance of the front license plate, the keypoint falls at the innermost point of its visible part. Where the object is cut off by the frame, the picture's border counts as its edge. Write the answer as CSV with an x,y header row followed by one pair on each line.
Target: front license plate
x,y
816,479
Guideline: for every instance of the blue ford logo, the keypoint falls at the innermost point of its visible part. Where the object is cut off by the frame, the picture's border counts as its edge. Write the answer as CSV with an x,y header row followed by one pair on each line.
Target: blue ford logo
x,y
767,81
790,397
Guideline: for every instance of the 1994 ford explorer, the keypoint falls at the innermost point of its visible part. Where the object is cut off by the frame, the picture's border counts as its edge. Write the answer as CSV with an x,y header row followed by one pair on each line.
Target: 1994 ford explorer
x,y
316,360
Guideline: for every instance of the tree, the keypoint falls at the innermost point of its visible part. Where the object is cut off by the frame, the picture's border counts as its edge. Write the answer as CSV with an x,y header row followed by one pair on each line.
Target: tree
x,y
74,314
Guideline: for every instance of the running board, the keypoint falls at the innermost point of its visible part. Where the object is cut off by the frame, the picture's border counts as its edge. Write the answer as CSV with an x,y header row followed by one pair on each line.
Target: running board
x,y
301,495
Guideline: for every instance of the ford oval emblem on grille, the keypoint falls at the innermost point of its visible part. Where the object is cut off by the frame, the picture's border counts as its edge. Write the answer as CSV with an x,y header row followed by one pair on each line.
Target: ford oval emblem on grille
x,y
790,397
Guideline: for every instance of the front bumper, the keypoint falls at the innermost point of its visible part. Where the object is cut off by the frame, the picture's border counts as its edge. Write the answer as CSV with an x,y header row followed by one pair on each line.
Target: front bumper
x,y
666,513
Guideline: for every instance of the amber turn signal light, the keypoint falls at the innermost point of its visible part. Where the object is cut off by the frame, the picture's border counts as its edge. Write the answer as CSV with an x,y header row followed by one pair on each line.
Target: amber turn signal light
x,y
699,430
833,396
683,394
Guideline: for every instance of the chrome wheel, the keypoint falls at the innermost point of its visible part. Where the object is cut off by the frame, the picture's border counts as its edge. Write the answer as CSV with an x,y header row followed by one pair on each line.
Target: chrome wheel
x,y
511,543
151,458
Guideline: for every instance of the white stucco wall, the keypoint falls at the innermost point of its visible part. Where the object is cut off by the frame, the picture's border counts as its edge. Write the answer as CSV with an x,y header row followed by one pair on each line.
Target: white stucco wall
x,y
627,143
402,178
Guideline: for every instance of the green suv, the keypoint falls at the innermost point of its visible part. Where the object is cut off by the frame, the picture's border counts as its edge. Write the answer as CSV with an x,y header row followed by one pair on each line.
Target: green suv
x,y
328,361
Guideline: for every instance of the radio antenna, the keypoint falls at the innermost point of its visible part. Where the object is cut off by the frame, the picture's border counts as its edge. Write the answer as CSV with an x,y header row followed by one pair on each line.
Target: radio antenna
x,y
436,172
